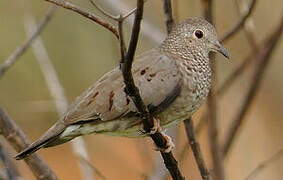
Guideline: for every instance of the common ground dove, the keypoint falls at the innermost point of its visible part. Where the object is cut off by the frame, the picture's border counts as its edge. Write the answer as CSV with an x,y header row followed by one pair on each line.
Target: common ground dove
x,y
173,80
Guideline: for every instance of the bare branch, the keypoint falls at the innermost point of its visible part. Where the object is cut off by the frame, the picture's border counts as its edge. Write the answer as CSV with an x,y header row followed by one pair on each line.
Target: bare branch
x,y
196,149
12,172
94,169
235,74
263,58
103,11
12,59
263,165
249,28
160,172
133,92
16,137
240,23
58,94
167,6
149,30
85,13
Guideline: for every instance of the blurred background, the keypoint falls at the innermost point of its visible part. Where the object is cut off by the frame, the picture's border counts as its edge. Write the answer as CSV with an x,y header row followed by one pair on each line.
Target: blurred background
x,y
82,51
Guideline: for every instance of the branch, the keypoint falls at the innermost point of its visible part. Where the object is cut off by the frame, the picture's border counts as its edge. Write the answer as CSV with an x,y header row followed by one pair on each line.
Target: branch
x,y
264,165
196,149
57,92
148,30
16,137
263,57
159,172
217,159
91,16
12,59
120,20
240,22
133,92
12,172
167,6
249,28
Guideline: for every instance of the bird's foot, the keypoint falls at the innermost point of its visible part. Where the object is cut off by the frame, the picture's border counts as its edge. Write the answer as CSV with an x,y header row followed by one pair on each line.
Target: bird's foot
x,y
156,128
169,144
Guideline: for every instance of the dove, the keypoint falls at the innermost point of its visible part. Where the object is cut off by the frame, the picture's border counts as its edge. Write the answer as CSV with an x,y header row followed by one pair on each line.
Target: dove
x,y
173,80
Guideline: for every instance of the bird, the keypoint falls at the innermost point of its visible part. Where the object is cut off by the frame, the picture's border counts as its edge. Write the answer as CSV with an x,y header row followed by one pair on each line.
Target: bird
x,y
173,79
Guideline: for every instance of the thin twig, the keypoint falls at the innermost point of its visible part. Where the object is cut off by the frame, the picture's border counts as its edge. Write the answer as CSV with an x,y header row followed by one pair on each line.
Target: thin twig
x,y
263,58
236,74
167,6
133,92
277,156
57,92
119,19
12,59
196,149
240,22
149,30
95,170
85,13
159,171
16,137
12,172
217,159
197,130
248,28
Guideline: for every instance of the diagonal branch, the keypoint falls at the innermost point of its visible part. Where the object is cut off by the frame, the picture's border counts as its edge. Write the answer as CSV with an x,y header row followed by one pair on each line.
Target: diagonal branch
x,y
12,59
57,92
248,27
133,92
16,137
85,13
196,149
278,155
240,22
263,57
12,172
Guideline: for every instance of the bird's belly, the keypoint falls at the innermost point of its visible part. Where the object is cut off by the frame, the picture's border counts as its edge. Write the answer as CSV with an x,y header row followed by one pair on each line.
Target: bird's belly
x,y
183,107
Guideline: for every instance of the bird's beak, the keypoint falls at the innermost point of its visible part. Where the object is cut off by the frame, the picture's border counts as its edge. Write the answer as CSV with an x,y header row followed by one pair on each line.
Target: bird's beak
x,y
221,49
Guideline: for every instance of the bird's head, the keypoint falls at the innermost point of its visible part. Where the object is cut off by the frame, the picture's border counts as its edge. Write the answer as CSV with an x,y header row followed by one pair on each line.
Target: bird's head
x,y
197,35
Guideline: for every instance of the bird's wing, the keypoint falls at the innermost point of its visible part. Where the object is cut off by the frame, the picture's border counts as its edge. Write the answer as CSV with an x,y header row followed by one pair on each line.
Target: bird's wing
x,y
156,76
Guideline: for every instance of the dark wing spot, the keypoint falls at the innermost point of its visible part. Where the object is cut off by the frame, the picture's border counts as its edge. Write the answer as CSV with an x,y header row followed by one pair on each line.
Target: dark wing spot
x,y
143,72
162,80
111,95
148,79
92,98
152,75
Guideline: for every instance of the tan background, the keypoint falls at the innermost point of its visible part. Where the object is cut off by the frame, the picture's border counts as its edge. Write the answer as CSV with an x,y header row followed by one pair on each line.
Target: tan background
x,y
82,51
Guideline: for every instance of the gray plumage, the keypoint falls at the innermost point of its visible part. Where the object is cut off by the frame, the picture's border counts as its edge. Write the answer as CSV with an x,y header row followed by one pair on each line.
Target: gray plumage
x,y
173,79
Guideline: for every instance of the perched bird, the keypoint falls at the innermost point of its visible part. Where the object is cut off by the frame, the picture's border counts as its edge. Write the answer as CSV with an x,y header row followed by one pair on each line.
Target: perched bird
x,y
173,79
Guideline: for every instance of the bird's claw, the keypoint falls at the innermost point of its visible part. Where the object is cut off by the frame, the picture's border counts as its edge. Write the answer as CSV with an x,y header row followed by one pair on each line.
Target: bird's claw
x,y
169,144
156,128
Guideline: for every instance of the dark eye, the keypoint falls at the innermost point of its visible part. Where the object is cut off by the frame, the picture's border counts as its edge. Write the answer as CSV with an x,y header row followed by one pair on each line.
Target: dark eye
x,y
198,33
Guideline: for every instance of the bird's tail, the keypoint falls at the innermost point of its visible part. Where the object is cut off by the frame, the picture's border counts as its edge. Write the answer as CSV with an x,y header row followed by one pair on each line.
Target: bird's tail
x,y
46,140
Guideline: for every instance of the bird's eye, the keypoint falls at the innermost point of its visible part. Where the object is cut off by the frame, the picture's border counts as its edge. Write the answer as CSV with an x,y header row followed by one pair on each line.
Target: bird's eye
x,y
198,33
